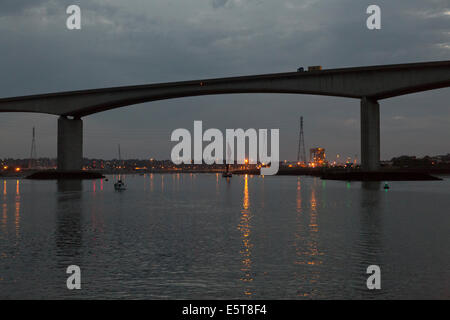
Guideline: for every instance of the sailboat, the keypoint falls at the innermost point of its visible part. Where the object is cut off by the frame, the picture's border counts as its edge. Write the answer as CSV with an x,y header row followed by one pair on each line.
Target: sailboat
x,y
119,186
227,173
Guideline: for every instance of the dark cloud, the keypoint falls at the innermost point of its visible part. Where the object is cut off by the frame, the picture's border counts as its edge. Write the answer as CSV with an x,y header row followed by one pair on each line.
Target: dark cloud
x,y
18,6
219,3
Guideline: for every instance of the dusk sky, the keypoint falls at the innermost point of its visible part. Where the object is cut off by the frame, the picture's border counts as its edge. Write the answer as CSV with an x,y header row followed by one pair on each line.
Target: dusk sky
x,y
150,41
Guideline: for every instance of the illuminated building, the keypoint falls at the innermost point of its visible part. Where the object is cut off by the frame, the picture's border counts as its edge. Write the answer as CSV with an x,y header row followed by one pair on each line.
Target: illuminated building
x,y
317,157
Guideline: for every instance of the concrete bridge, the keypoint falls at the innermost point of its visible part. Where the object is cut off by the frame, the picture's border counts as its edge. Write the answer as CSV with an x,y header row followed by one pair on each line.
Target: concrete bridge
x,y
369,84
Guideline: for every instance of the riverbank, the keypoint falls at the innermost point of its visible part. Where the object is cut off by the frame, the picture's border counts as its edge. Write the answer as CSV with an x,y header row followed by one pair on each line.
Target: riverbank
x,y
65,175
390,174
379,176
386,174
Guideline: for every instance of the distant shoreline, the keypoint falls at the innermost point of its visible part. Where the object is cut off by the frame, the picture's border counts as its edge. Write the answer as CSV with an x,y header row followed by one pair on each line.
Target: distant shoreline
x,y
386,174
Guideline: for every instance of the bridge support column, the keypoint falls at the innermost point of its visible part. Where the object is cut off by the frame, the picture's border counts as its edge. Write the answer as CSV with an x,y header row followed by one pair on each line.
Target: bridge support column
x,y
370,135
70,144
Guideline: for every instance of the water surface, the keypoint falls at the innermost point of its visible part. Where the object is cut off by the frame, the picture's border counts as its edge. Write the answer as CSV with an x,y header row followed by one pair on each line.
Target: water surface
x,y
199,236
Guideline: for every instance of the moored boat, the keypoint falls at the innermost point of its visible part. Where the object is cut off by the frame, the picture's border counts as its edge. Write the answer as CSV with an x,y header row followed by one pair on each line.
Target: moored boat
x,y
119,185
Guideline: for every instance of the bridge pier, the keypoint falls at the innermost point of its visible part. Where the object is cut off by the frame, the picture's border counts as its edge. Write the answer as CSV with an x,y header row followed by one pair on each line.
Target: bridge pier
x,y
70,144
370,134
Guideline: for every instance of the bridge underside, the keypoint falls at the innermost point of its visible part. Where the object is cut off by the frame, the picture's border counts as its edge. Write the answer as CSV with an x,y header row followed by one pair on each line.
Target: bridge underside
x,y
369,84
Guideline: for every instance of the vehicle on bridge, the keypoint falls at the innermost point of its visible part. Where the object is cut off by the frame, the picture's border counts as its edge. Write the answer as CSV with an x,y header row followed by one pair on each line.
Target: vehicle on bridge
x,y
310,68
314,68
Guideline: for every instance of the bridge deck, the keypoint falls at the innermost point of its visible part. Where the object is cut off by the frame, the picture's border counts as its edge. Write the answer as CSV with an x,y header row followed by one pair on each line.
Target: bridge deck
x,y
377,82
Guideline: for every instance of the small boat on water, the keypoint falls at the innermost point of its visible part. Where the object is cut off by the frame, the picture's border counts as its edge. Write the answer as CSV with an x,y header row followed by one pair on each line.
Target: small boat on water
x,y
386,186
227,174
119,185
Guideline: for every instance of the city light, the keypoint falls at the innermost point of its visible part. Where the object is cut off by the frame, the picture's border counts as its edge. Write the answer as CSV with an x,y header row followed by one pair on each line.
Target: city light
x,y
318,157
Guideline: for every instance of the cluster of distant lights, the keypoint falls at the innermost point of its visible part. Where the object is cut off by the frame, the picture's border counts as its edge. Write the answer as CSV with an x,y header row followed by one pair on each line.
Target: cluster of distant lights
x,y
246,161
310,164
17,169
314,164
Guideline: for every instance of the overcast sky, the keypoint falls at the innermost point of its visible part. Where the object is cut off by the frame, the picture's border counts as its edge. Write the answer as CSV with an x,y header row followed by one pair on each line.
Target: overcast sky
x,y
149,41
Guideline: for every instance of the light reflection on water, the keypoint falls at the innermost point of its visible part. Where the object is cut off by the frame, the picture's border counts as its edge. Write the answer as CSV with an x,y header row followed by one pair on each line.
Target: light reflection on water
x,y
17,209
203,236
246,248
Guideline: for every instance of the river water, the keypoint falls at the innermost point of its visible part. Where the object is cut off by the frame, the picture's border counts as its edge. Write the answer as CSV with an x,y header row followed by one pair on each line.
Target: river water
x,y
199,236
